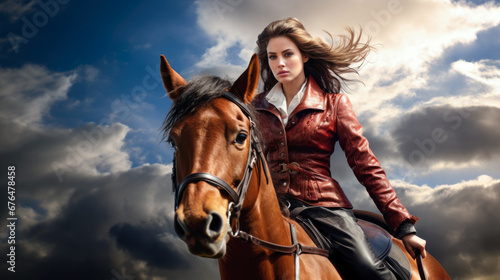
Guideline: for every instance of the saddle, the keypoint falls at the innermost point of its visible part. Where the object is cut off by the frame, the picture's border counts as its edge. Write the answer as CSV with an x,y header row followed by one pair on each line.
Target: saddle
x,y
379,239
378,236
381,243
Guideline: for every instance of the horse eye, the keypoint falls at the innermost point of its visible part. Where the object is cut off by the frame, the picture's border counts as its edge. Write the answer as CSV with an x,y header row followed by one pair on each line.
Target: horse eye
x,y
171,142
240,139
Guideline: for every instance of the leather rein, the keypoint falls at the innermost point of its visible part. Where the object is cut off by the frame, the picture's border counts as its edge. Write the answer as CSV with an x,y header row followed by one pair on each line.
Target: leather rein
x,y
237,197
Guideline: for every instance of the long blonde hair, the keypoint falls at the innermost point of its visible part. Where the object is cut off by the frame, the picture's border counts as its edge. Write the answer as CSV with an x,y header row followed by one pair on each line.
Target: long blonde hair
x,y
327,63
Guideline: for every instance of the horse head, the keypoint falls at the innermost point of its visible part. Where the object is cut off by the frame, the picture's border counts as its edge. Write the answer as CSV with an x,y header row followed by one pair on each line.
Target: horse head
x,y
212,139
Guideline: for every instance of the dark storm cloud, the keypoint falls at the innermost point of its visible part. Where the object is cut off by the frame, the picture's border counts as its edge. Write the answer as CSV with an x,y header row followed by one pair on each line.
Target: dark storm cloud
x,y
75,243
144,244
106,223
461,225
449,134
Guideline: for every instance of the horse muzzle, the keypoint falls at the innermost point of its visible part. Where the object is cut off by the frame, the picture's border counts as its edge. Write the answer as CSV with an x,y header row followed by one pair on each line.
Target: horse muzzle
x,y
204,234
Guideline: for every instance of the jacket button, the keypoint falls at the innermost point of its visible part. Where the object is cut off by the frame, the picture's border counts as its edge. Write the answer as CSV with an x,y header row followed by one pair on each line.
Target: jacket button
x,y
284,184
281,132
282,154
293,123
282,143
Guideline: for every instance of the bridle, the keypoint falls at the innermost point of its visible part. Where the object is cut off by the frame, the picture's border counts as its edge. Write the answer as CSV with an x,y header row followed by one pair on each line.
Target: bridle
x,y
237,197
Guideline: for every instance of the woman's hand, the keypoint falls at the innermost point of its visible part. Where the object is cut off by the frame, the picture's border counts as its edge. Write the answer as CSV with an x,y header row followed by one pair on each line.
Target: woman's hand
x,y
413,243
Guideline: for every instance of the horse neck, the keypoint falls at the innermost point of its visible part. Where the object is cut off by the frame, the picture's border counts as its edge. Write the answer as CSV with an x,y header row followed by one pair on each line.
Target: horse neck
x,y
260,217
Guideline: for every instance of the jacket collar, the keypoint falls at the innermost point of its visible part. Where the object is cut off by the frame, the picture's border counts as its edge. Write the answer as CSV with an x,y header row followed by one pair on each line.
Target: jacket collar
x,y
314,99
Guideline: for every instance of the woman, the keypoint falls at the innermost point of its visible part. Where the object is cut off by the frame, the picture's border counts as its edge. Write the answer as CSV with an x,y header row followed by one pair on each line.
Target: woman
x,y
304,115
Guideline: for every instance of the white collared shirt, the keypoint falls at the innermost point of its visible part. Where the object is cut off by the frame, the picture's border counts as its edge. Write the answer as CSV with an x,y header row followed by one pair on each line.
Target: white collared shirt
x,y
276,96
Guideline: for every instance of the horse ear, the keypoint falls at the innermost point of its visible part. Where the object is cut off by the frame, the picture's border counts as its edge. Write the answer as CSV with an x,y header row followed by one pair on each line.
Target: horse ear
x,y
246,85
171,79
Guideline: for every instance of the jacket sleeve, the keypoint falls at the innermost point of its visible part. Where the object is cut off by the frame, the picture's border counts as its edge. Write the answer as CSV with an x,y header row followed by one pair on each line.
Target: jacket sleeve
x,y
366,166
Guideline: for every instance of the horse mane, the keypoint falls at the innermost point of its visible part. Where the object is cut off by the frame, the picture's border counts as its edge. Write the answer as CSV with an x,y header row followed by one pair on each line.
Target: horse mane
x,y
200,91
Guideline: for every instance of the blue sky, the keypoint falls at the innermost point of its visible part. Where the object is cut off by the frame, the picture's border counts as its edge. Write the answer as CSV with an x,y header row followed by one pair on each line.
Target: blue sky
x,y
81,106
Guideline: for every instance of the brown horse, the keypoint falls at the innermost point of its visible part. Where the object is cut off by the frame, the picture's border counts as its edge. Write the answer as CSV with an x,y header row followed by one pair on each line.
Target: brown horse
x,y
226,206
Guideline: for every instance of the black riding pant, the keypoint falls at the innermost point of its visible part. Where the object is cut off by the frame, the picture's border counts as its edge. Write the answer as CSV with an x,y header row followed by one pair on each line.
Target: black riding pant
x,y
337,230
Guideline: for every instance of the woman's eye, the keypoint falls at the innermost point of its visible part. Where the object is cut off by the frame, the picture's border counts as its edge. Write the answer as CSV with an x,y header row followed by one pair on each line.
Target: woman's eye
x,y
240,138
272,57
288,54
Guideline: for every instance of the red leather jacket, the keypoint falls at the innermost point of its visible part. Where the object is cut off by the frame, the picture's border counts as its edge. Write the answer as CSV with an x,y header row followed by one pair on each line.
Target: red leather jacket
x,y
298,154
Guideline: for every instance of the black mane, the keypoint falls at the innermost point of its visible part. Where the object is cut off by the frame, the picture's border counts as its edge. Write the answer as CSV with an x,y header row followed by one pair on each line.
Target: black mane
x,y
199,91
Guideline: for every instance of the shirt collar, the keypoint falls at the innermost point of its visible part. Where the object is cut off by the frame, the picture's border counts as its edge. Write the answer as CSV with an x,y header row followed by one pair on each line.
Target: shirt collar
x,y
276,97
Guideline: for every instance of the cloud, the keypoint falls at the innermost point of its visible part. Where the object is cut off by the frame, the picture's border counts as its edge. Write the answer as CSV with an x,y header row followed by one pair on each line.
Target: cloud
x,y
143,243
411,45
84,212
447,126
461,224
106,223
458,221
486,72
28,93
446,134
88,73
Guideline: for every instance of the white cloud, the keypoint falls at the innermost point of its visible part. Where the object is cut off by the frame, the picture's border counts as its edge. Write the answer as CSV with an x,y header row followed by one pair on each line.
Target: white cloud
x,y
413,41
485,72
27,93
418,195
93,150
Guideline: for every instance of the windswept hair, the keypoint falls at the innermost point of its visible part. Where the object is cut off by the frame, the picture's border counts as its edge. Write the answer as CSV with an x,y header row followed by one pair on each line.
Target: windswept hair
x,y
327,62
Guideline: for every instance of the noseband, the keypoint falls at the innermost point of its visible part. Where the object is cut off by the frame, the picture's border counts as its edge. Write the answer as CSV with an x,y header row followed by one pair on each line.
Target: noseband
x,y
236,197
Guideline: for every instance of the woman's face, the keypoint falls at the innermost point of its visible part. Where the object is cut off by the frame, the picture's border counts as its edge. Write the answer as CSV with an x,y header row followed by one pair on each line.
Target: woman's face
x,y
285,60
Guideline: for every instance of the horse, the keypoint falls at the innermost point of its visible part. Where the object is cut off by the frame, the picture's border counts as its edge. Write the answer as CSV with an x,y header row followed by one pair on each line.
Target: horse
x,y
226,206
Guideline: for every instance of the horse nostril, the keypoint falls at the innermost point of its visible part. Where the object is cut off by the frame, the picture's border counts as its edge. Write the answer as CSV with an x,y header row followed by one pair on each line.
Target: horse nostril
x,y
179,227
213,224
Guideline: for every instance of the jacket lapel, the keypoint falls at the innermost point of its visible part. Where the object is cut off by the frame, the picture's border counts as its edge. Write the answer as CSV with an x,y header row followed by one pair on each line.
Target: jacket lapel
x,y
314,98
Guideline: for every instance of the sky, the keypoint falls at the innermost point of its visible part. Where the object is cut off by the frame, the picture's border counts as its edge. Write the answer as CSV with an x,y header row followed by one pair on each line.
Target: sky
x,y
81,106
